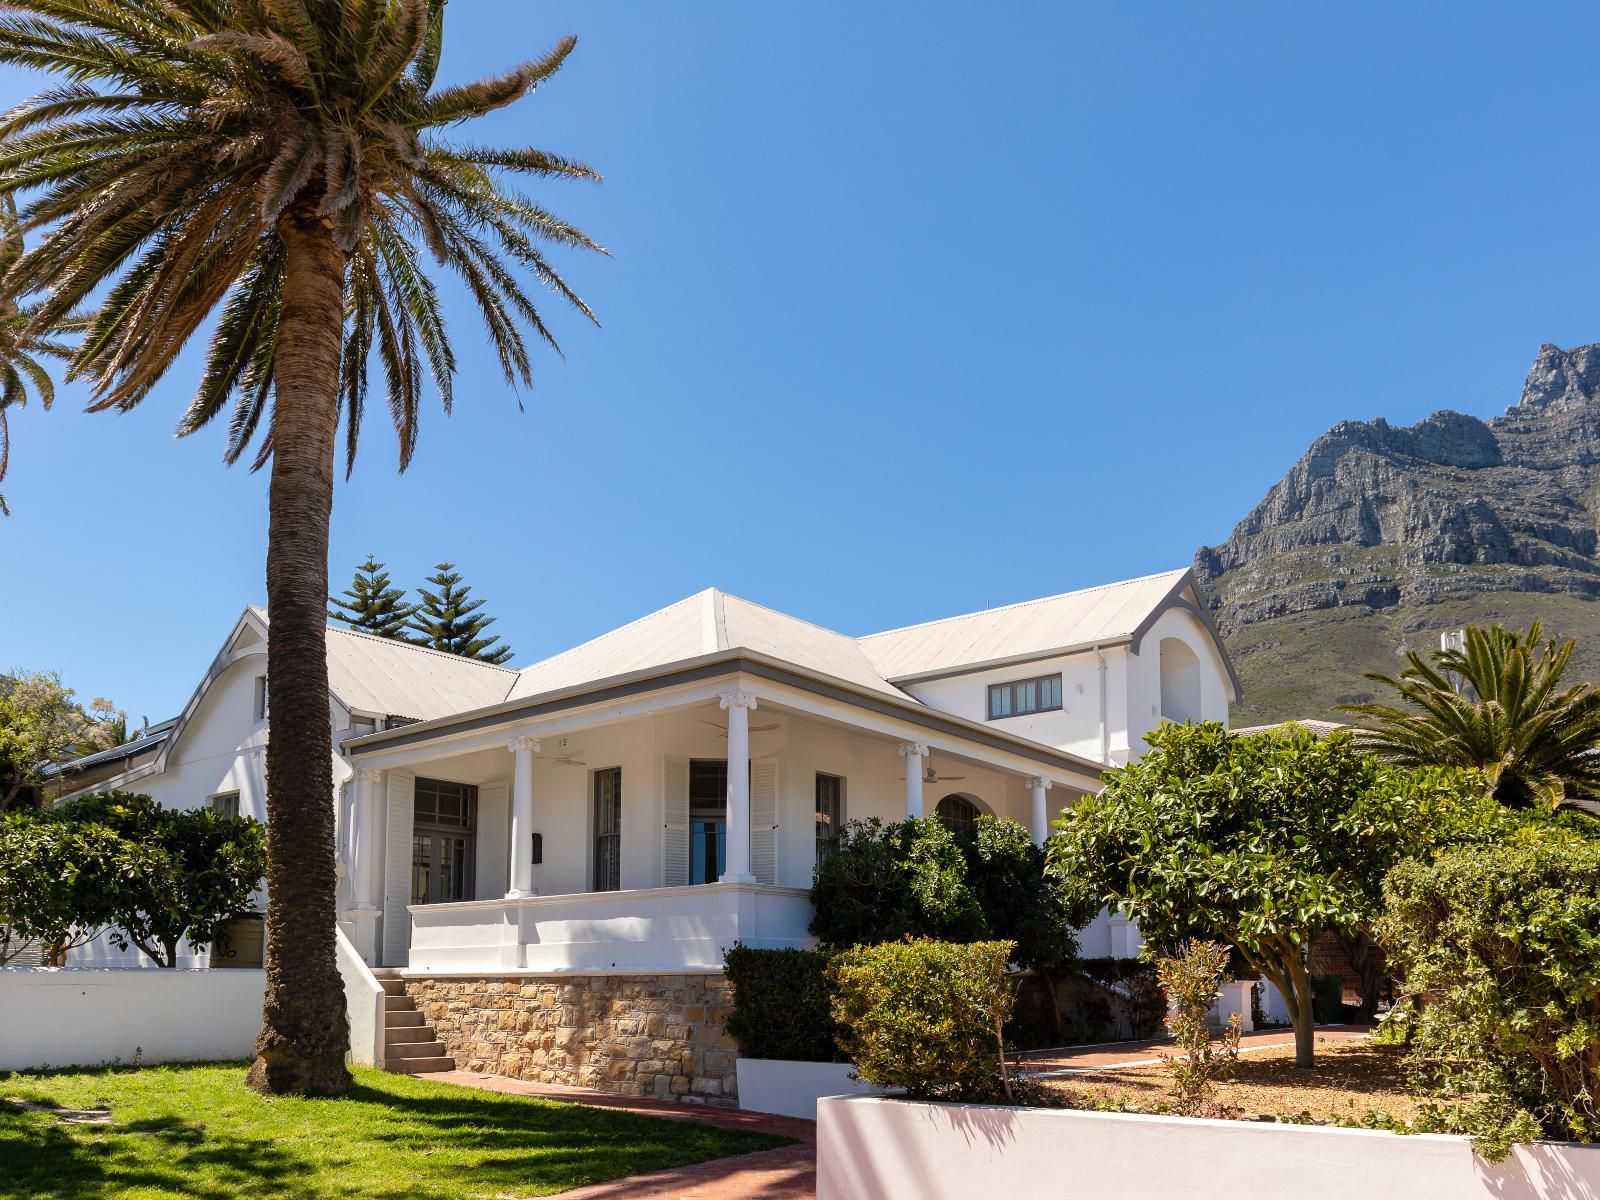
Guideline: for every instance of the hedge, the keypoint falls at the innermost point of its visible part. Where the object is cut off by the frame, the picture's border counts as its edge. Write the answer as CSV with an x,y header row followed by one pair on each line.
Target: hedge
x,y
781,1004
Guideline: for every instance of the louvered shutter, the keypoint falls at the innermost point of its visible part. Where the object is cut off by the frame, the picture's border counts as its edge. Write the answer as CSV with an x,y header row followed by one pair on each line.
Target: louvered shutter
x,y
764,820
493,834
401,791
675,823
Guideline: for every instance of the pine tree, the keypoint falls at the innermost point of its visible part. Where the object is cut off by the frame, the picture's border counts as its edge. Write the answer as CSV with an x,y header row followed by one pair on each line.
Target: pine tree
x,y
448,621
373,605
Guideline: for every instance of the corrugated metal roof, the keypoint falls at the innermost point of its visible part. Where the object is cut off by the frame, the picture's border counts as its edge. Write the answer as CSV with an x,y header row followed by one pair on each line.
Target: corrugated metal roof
x,y
1103,614
704,623
383,676
147,740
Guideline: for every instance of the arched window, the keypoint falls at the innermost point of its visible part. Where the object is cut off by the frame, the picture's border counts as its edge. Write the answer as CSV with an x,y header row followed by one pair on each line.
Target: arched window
x,y
958,813
1180,681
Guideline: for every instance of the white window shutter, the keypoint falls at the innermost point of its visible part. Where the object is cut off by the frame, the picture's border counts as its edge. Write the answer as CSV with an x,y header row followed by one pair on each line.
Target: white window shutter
x,y
675,823
401,792
764,820
493,834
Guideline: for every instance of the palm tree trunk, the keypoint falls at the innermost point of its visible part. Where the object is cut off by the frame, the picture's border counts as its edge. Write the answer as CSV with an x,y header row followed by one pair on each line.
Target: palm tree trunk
x,y
305,1029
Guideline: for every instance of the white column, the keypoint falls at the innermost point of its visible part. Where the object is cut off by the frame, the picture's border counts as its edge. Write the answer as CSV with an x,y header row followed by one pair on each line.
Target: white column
x,y
738,705
523,748
913,753
366,827
1040,827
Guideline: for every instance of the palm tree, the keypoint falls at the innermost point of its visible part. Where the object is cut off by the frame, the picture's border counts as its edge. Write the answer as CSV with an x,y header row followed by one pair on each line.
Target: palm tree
x,y
276,165
21,344
1495,704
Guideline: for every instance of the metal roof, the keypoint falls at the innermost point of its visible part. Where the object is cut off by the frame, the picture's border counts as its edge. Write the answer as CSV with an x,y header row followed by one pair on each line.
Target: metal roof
x,y
147,740
705,623
383,676
1105,615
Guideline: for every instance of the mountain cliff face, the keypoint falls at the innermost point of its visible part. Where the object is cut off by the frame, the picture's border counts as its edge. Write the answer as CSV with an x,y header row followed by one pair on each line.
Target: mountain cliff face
x,y
1380,536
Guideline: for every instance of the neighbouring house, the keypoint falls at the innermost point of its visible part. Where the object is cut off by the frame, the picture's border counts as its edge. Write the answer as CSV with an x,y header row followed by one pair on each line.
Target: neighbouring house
x,y
550,861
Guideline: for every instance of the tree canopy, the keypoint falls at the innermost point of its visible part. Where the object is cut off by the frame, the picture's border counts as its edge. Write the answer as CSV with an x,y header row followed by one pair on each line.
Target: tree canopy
x,y
449,620
42,723
372,604
1262,842
1497,705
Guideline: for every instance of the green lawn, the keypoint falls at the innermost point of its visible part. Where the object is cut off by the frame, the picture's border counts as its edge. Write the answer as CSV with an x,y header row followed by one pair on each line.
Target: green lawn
x,y
197,1131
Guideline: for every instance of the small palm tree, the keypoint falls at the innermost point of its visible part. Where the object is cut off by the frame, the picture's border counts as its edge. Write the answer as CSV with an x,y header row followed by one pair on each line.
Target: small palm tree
x,y
276,166
1495,704
22,341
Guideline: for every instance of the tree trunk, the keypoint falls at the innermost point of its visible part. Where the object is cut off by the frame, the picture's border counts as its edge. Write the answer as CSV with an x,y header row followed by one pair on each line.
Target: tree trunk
x,y
1303,1014
305,1030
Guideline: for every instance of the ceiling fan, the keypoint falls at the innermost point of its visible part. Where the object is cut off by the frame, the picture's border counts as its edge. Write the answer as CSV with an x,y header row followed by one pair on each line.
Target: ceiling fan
x,y
723,729
930,774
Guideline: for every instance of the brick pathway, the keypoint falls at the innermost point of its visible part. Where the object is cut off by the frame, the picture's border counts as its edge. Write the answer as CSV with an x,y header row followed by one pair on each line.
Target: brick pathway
x,y
787,1173
790,1172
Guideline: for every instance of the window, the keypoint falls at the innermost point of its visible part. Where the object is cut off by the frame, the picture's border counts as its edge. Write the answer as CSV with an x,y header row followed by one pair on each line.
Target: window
x,y
608,829
361,726
1024,696
447,805
225,804
830,813
261,697
958,813
442,843
708,819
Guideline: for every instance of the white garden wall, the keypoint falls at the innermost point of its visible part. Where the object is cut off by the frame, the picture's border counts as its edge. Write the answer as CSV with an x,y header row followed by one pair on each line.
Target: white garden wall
x,y
792,1089
76,1017
868,1148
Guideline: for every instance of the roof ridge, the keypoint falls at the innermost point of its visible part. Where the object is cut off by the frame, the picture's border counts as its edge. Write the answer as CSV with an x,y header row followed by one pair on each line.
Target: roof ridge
x,y
791,617
372,637
979,612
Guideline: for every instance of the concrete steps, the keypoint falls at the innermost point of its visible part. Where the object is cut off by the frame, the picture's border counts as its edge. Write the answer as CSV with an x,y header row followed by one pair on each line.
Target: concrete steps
x,y
409,1044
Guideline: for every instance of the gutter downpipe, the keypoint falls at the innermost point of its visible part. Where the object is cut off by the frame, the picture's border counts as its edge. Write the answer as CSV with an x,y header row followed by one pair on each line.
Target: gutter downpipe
x,y
1105,735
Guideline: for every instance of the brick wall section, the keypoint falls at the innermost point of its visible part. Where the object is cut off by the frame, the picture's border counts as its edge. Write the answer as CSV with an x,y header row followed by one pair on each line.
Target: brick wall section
x,y
635,1035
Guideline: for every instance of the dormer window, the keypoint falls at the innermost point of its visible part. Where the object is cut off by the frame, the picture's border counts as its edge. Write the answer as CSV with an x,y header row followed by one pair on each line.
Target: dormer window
x,y
1023,696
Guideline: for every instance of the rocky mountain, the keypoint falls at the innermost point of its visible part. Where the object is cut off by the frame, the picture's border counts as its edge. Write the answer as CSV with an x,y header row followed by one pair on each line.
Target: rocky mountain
x,y
1381,536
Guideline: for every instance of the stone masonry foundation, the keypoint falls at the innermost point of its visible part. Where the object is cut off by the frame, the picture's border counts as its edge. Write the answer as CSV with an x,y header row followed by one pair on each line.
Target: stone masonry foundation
x,y
635,1035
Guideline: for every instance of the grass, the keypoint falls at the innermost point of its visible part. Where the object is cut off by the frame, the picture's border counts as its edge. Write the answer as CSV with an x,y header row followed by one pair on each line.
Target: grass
x,y
1350,1080
198,1131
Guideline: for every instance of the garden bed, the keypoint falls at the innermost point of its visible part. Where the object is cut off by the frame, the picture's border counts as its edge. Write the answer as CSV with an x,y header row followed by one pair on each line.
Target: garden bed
x,y
1351,1080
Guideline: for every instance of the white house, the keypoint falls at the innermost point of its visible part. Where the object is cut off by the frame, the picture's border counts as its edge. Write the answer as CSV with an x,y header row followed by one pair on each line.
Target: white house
x,y
628,808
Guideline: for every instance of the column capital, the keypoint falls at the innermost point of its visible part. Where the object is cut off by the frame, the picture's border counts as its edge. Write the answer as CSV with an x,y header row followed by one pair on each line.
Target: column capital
x,y
368,775
1041,783
913,749
523,745
737,698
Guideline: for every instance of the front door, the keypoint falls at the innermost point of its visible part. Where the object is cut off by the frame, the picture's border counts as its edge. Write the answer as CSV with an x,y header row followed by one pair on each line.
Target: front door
x,y
708,819
442,841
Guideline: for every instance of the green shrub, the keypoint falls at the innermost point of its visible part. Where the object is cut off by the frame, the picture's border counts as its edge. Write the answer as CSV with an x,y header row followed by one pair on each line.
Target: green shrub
x,y
887,881
1192,979
782,1004
926,1016
1502,945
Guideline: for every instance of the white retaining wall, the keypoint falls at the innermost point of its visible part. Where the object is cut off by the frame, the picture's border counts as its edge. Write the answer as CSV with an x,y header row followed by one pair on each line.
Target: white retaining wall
x,y
792,1089
74,1017
869,1148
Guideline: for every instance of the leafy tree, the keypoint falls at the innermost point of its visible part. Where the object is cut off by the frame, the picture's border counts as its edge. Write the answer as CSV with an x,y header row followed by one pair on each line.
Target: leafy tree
x,y
1262,842
1496,705
58,880
1006,874
277,167
42,724
447,620
178,874
886,881
1502,942
372,605
22,342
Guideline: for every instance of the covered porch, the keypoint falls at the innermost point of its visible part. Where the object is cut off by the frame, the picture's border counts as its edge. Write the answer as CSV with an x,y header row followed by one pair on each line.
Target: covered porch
x,y
645,825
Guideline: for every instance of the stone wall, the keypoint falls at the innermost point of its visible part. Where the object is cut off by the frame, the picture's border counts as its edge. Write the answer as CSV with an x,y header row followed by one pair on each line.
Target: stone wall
x,y
635,1035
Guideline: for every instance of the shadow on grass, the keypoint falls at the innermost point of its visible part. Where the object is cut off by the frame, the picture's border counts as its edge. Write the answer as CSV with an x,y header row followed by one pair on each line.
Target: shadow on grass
x,y
201,1133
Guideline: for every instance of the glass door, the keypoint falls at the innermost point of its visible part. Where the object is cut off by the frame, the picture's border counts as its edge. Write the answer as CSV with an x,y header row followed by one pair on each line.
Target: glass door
x,y
443,842
708,819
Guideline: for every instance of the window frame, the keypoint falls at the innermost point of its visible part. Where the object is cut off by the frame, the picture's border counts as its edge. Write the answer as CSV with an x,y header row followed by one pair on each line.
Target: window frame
x,y
1012,690
226,796
824,844
596,882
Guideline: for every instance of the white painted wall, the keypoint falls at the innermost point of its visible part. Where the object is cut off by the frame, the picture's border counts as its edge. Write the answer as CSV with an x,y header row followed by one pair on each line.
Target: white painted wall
x,y
868,1148
792,1089
364,1002
79,1017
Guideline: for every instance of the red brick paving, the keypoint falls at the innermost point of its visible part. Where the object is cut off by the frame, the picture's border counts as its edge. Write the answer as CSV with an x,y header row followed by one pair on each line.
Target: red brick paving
x,y
790,1172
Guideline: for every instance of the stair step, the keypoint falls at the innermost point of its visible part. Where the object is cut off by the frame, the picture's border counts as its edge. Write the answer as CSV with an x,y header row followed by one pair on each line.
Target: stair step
x,y
397,1035
404,1019
398,1004
420,1066
386,972
393,987
433,1049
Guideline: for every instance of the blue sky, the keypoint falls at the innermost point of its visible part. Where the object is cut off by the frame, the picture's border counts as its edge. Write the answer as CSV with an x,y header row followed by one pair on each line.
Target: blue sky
x,y
913,309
